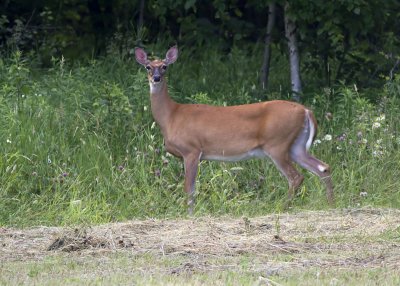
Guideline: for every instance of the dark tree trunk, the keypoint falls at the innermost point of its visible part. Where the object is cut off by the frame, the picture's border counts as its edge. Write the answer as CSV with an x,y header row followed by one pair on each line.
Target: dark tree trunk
x,y
141,14
342,57
267,47
140,22
327,69
393,69
294,57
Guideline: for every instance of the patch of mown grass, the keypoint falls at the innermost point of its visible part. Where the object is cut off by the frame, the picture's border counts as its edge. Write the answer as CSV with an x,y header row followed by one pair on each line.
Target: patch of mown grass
x,y
343,276
123,268
391,235
356,247
119,269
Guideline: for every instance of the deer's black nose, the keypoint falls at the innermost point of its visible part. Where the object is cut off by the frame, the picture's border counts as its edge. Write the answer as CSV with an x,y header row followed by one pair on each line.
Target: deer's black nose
x,y
157,78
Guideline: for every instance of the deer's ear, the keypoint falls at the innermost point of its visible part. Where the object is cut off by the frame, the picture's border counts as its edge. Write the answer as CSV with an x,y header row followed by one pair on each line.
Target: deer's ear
x,y
171,56
141,56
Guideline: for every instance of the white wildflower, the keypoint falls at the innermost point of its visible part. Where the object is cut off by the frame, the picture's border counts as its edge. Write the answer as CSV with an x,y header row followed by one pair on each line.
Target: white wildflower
x,y
363,194
328,137
316,142
378,153
376,125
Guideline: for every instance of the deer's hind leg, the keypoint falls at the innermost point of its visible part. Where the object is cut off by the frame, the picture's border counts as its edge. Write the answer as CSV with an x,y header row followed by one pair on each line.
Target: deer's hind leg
x,y
283,162
299,154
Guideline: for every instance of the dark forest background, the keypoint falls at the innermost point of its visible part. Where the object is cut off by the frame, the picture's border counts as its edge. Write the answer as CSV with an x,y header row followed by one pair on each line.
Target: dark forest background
x,y
353,41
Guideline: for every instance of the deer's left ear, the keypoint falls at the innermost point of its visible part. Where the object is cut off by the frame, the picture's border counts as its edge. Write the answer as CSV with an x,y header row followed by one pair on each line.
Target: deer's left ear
x,y
171,56
141,56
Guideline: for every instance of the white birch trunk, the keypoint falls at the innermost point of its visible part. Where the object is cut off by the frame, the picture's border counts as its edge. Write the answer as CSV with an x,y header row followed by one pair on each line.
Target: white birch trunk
x,y
294,57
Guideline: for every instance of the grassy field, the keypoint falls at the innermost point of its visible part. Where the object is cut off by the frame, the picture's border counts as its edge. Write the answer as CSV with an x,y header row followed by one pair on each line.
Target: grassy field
x,y
346,247
90,196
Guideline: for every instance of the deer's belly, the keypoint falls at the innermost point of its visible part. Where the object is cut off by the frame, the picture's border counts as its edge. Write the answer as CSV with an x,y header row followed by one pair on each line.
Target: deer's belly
x,y
221,156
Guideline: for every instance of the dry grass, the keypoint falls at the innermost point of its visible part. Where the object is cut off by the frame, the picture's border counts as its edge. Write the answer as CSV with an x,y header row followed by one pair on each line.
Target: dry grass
x,y
275,245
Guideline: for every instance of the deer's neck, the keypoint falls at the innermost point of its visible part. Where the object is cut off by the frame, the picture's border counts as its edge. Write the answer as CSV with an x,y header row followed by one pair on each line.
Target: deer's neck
x,y
162,106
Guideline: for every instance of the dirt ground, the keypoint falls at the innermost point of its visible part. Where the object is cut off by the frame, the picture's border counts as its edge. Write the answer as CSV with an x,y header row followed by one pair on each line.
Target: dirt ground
x,y
366,238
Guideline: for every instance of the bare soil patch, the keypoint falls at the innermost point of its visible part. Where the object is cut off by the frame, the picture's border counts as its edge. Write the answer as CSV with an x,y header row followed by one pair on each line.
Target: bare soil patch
x,y
337,238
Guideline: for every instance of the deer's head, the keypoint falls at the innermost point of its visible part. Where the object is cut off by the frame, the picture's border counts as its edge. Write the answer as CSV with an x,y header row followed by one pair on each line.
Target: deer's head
x,y
156,69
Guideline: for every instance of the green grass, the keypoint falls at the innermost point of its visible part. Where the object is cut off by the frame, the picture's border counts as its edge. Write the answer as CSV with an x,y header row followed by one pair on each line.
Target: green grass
x,y
120,269
125,269
79,145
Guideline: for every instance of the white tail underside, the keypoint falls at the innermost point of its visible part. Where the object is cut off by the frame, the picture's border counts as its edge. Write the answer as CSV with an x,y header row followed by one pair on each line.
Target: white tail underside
x,y
311,130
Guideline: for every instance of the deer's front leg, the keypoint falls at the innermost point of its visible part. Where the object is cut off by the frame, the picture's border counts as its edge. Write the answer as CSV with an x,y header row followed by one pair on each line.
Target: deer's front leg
x,y
191,162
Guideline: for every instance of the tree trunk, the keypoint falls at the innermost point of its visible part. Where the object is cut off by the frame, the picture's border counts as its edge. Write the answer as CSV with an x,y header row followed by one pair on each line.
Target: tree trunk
x,y
267,48
327,69
140,22
294,57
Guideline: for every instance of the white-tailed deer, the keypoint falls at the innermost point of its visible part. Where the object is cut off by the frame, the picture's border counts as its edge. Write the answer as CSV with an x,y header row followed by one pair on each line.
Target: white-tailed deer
x,y
280,130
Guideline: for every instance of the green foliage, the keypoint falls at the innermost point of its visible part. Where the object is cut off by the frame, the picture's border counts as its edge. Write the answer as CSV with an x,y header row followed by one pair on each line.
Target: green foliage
x,y
225,78
344,41
362,141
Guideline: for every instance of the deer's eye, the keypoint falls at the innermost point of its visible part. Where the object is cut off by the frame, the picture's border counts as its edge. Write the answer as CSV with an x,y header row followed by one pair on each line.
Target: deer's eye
x,y
164,67
148,68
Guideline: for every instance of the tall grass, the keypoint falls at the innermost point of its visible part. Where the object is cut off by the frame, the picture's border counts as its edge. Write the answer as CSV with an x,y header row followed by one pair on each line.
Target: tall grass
x,y
79,144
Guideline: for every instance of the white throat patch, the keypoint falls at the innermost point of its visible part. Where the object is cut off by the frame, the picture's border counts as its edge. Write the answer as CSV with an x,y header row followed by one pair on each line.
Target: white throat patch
x,y
155,87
